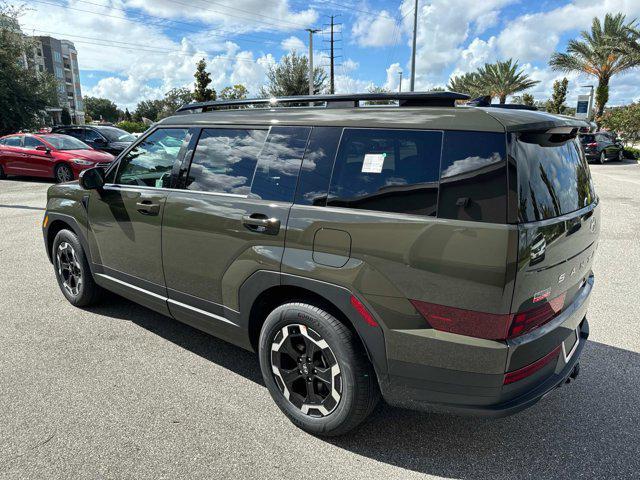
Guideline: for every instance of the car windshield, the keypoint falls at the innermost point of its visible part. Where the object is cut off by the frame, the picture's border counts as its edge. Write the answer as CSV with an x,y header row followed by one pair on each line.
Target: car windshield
x,y
116,134
65,142
587,138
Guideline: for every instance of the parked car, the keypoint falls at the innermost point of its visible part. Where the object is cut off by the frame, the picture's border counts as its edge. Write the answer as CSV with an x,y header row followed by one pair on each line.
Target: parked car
x,y
106,138
48,155
419,252
602,146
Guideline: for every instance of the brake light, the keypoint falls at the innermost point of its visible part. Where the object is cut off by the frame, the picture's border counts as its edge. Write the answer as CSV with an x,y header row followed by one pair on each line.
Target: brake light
x,y
529,370
489,326
464,322
362,310
592,145
526,321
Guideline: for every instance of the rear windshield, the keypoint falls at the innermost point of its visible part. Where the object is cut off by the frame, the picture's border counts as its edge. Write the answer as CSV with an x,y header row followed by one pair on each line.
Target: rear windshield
x,y
65,142
116,134
587,138
553,178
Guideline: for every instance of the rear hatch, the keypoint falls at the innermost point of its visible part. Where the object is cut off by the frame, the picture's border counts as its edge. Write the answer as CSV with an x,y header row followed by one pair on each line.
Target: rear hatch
x,y
558,224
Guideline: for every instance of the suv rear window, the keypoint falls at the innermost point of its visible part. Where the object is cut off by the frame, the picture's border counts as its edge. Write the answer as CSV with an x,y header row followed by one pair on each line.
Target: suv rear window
x,y
387,170
553,178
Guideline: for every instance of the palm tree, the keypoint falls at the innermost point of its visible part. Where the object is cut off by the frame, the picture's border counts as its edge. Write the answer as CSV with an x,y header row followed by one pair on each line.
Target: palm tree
x,y
603,52
504,79
468,83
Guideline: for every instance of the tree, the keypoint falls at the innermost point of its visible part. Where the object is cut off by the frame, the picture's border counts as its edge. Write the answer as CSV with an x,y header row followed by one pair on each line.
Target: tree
x,y
624,121
203,78
149,109
24,92
174,99
291,77
502,79
377,89
127,115
65,116
525,99
499,79
101,109
603,52
556,103
237,92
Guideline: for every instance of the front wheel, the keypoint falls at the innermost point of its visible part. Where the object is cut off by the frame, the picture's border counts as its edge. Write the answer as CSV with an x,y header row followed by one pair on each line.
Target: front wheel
x,y
316,370
2,174
63,173
72,270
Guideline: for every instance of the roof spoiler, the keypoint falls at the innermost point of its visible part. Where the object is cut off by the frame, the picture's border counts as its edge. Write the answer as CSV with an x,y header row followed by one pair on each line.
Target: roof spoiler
x,y
406,99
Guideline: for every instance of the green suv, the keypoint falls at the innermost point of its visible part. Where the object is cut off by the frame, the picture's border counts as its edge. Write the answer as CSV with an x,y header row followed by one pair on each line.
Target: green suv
x,y
432,254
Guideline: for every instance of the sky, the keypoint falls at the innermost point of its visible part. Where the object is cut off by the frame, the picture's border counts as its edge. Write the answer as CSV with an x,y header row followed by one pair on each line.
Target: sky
x,y
132,50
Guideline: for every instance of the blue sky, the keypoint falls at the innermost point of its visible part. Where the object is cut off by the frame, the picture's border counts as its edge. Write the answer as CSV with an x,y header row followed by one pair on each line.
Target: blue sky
x,y
130,50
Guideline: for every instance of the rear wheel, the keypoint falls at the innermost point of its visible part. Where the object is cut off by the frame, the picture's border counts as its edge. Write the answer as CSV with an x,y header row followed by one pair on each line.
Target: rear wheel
x,y
63,173
620,155
603,158
72,270
316,370
2,174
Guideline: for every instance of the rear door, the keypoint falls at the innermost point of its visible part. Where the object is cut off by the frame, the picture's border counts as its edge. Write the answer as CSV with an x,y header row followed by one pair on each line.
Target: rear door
x,y
229,219
558,222
12,155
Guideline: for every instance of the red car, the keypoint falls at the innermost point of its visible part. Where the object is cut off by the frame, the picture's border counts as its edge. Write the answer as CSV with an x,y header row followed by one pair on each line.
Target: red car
x,y
48,155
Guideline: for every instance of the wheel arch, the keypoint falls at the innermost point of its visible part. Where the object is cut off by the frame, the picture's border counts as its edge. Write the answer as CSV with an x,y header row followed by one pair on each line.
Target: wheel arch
x,y
265,290
58,222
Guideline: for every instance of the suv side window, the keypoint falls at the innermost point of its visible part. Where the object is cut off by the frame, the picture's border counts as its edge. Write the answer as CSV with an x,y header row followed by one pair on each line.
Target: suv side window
x,y
279,164
387,170
225,159
315,173
150,162
473,178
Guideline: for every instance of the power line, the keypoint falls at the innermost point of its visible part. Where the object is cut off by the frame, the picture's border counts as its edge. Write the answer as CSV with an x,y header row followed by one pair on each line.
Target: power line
x,y
136,46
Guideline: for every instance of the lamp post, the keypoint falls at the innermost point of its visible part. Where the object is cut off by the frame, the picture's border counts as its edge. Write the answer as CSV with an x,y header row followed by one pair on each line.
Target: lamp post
x,y
400,81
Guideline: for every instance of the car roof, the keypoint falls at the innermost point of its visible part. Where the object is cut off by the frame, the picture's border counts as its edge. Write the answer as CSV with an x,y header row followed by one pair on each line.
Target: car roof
x,y
487,119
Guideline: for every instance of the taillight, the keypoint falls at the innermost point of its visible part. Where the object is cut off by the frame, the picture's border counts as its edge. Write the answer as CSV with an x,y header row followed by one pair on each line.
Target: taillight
x,y
464,322
592,145
526,321
529,370
490,326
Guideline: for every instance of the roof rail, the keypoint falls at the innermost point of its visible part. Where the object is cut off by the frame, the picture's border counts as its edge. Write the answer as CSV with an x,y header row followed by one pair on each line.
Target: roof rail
x,y
485,101
407,99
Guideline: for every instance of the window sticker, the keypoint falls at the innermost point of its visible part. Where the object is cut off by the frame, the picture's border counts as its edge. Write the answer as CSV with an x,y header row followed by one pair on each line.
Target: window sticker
x,y
373,162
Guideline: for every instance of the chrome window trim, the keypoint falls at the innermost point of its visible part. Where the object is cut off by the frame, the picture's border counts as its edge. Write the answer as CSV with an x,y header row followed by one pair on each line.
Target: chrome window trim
x,y
117,186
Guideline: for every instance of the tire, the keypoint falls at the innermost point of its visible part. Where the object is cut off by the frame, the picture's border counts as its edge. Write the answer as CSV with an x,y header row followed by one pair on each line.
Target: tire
x,y
2,174
344,385
72,270
63,173
621,155
603,158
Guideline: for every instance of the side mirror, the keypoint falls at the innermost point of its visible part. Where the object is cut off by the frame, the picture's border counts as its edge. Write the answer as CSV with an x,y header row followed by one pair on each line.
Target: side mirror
x,y
92,178
42,148
100,141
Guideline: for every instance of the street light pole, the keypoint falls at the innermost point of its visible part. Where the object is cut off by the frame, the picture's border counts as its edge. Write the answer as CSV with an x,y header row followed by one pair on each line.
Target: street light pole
x,y
311,32
400,82
413,49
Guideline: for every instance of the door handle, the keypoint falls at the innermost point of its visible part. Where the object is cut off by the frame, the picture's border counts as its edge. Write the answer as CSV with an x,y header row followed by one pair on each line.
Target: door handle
x,y
260,223
147,207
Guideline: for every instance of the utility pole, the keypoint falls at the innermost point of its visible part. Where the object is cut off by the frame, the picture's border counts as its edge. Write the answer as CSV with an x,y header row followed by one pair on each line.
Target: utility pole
x,y
331,75
311,32
400,82
413,50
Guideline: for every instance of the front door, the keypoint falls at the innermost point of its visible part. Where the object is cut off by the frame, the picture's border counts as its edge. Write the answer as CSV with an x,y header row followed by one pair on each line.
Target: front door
x,y
229,220
125,218
39,162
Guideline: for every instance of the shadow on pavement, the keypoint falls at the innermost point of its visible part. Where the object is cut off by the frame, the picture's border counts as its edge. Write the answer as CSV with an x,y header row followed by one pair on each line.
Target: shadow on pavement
x,y
590,428
29,179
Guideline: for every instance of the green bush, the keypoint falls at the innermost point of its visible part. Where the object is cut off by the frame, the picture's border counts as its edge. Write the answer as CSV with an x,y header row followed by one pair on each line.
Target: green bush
x,y
132,127
630,152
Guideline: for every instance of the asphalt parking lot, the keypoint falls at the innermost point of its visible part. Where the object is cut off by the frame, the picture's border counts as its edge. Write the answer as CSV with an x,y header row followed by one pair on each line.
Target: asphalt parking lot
x,y
118,391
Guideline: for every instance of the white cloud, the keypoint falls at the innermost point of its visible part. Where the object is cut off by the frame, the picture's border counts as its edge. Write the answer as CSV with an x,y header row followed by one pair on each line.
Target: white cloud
x,y
393,77
293,43
350,65
374,31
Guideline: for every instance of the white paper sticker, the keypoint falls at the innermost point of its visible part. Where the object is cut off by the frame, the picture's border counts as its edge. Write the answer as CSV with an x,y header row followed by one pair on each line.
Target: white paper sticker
x,y
373,162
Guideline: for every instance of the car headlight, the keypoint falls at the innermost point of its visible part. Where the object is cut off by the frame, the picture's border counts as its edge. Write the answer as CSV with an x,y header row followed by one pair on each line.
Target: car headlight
x,y
80,161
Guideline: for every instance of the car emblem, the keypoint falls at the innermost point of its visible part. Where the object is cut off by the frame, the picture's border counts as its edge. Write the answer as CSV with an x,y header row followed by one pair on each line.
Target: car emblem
x,y
592,227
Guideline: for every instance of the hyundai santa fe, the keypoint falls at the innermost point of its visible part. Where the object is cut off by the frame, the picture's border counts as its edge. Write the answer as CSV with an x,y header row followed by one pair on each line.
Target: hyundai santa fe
x,y
439,256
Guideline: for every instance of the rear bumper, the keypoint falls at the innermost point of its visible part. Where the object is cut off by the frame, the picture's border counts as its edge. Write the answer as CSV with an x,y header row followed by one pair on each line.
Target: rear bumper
x,y
402,393
441,371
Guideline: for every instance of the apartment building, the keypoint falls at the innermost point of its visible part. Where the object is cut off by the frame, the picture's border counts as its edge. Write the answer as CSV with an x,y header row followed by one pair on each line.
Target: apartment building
x,y
60,58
